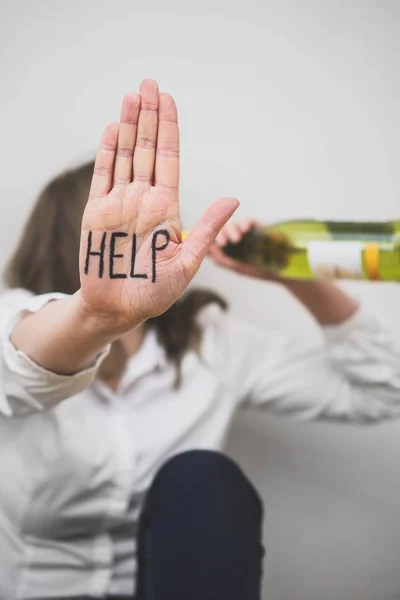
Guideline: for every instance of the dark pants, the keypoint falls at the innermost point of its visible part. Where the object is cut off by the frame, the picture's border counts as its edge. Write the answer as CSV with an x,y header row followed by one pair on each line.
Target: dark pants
x,y
200,533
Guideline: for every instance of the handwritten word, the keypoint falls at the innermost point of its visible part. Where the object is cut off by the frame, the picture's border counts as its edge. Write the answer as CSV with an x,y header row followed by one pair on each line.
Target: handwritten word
x,y
112,256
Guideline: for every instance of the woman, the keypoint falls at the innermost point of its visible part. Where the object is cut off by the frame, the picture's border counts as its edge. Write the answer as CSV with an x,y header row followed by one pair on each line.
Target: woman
x,y
117,395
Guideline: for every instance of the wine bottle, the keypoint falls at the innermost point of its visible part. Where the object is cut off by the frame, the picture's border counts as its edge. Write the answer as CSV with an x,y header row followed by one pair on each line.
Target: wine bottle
x,y
309,249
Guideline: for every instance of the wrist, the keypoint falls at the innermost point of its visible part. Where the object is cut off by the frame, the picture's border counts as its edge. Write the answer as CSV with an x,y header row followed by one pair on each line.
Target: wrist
x,y
106,327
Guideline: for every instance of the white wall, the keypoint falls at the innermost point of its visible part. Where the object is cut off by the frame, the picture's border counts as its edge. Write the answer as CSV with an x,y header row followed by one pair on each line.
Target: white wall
x,y
294,108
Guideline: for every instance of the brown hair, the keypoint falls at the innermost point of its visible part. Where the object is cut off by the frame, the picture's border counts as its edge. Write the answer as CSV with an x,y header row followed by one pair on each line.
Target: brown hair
x,y
47,260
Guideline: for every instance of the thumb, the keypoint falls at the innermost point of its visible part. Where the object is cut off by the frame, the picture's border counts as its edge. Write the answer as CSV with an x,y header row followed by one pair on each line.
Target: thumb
x,y
200,239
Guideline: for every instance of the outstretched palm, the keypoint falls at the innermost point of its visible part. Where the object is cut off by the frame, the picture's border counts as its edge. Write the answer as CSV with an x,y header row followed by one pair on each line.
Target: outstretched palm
x,y
133,262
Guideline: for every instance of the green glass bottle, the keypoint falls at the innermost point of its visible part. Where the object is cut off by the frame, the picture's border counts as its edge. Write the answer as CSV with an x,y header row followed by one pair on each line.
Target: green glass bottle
x,y
307,249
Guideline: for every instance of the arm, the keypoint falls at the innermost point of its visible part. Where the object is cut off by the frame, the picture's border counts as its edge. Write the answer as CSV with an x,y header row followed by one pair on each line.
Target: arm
x,y
328,304
130,224
26,385
62,336
354,376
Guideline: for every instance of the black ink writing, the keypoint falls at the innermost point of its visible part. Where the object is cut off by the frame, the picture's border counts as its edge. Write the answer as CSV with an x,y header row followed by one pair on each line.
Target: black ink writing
x,y
133,274
100,254
113,256
155,249
114,236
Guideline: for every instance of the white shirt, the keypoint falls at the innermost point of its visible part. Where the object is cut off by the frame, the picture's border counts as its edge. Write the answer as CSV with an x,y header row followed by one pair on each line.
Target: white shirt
x,y
76,457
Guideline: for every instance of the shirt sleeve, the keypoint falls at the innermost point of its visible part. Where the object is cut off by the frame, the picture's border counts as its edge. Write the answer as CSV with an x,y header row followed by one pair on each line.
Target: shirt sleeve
x,y
26,386
353,376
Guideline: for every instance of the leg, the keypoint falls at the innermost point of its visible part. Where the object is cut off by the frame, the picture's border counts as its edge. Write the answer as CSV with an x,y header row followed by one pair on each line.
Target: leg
x,y
200,532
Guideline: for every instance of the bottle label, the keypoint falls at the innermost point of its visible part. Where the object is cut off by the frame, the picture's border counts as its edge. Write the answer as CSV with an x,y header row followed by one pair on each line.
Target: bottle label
x,y
336,260
371,261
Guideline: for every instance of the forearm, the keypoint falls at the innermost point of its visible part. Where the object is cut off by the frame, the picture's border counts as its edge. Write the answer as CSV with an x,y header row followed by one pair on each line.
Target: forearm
x,y
62,336
324,300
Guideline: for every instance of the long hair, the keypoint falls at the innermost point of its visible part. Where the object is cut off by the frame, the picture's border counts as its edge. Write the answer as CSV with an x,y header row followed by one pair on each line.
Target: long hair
x,y
47,260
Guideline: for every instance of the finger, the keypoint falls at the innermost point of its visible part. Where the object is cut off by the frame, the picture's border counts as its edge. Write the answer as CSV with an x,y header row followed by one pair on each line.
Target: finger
x,y
126,139
247,225
232,233
201,238
224,236
221,239
145,149
104,164
167,154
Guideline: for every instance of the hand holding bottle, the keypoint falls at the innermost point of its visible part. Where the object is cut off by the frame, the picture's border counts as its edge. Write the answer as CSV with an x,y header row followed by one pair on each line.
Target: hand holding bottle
x,y
233,233
324,300
306,249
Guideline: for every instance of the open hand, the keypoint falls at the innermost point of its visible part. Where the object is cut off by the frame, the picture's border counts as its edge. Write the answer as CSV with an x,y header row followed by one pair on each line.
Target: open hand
x,y
133,263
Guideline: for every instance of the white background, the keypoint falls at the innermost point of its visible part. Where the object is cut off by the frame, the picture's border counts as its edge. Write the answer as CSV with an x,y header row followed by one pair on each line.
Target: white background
x,y
293,107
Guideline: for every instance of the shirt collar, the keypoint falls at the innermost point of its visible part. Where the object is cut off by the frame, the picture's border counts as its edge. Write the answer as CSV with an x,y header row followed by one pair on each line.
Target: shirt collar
x,y
151,356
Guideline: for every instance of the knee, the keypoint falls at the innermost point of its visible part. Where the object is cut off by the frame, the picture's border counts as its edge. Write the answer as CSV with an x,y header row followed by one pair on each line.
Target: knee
x,y
205,475
205,466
